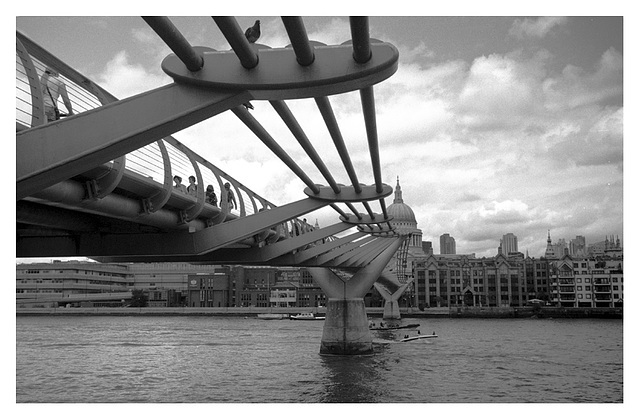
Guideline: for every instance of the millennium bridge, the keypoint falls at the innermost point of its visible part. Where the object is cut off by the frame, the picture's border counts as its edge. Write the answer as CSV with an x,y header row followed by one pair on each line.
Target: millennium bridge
x,y
98,183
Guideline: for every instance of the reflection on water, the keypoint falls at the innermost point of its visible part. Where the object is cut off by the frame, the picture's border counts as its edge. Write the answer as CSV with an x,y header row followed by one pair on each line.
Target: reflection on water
x,y
353,379
233,359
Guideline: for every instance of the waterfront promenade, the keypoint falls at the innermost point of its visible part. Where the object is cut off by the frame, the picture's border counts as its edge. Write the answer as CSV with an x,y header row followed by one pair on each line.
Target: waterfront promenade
x,y
453,312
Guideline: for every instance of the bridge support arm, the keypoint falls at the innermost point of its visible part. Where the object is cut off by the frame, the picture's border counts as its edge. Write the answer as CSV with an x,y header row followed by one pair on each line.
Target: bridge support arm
x,y
346,328
54,152
391,308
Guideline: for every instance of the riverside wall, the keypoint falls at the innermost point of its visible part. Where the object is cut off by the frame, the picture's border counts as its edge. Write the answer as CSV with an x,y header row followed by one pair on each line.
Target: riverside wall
x,y
454,312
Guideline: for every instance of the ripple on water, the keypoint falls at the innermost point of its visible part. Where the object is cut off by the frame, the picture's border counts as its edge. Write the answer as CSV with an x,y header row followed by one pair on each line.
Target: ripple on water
x,y
208,359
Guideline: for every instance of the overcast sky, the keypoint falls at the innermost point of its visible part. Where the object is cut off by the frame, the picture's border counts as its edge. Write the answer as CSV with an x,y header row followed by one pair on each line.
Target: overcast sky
x,y
494,125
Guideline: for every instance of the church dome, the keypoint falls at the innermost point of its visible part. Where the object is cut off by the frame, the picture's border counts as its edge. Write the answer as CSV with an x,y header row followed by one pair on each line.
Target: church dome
x,y
401,212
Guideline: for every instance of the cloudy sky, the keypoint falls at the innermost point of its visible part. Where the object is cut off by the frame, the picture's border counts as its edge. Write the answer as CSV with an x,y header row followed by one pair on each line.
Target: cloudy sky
x,y
493,124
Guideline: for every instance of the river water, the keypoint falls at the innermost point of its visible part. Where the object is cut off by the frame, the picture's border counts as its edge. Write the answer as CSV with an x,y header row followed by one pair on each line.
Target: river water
x,y
177,359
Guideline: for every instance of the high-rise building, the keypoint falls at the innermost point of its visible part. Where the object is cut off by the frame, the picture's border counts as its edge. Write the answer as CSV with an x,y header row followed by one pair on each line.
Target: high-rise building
x,y
447,244
578,247
509,243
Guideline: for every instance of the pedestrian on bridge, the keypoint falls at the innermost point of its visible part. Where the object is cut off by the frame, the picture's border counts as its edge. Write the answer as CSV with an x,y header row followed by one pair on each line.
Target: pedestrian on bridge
x,y
192,189
178,180
231,199
52,88
211,196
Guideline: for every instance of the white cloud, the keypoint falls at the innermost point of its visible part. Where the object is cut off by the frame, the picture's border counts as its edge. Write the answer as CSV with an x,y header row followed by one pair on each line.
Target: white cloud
x,y
536,28
124,79
499,91
576,87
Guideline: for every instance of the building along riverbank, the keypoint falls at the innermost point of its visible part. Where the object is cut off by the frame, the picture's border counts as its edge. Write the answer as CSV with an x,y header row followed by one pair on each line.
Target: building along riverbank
x,y
454,312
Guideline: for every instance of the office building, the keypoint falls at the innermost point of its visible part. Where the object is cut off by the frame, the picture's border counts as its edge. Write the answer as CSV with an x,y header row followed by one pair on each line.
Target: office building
x,y
509,243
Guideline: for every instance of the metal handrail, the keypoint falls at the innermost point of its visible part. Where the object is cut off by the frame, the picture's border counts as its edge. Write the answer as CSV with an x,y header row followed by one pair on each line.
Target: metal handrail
x,y
86,95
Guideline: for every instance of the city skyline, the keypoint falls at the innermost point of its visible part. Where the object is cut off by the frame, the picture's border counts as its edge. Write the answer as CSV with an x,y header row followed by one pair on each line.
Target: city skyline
x,y
541,150
567,240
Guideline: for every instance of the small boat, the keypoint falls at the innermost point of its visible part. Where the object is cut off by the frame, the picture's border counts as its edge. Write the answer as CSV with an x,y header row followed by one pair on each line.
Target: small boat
x,y
307,317
393,327
418,337
273,316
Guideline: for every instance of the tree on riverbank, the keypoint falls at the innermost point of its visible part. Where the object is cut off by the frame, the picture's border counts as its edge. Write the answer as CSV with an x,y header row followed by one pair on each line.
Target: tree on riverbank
x,y
138,298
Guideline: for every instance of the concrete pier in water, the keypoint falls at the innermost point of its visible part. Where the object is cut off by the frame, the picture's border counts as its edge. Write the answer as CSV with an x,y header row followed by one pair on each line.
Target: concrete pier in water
x,y
346,328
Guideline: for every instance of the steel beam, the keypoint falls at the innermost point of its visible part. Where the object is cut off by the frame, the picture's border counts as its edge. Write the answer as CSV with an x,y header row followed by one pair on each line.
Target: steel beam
x,y
299,39
48,154
233,33
269,253
277,150
308,255
183,244
287,117
337,252
174,40
357,254
360,37
324,106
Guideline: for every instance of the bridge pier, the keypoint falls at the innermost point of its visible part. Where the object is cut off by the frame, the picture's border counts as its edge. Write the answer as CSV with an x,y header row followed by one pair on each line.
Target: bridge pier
x,y
346,327
391,307
391,310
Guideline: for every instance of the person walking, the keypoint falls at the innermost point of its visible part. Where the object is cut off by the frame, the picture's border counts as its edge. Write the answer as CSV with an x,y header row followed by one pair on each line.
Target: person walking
x,y
231,199
52,88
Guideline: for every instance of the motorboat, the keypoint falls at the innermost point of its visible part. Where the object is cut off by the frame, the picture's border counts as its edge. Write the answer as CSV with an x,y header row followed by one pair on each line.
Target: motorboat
x,y
417,337
392,327
307,317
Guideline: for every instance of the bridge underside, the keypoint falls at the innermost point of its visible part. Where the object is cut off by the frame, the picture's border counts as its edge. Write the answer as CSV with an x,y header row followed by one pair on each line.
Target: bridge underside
x,y
99,183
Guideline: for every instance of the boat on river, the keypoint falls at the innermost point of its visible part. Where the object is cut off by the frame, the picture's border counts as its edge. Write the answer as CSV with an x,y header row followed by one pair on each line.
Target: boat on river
x,y
307,317
273,316
418,337
392,327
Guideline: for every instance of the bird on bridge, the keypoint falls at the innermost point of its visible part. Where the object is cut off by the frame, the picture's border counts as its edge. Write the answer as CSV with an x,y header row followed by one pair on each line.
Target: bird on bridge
x,y
253,33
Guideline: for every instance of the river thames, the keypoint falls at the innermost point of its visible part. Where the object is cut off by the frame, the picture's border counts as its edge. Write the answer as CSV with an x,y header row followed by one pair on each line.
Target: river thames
x,y
181,359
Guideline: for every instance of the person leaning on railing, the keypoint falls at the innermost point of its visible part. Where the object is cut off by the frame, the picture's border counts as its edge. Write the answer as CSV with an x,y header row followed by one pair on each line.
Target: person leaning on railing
x,y
52,88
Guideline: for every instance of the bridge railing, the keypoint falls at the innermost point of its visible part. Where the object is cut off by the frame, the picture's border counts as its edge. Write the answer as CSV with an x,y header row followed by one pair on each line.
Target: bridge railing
x,y
158,161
